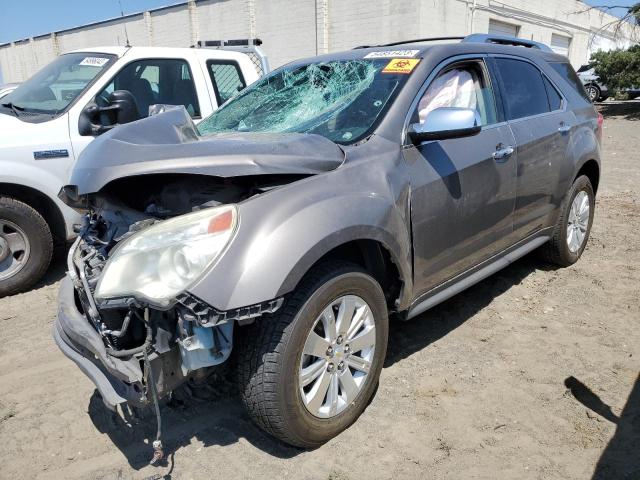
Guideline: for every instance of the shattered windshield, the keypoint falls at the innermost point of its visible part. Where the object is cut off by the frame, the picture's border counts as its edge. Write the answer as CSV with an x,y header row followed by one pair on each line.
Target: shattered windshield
x,y
340,100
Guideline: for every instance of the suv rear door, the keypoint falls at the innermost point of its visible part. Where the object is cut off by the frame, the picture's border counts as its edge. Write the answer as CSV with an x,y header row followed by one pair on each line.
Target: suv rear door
x,y
541,124
463,189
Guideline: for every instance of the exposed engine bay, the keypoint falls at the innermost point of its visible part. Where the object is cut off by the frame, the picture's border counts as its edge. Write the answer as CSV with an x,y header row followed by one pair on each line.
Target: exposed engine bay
x,y
186,336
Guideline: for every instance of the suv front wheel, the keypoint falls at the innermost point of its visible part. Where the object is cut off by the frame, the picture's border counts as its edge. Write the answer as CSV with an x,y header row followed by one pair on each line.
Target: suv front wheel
x,y
308,372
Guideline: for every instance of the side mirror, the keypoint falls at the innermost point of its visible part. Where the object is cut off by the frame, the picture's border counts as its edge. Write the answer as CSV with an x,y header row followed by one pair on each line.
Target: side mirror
x,y
121,108
446,122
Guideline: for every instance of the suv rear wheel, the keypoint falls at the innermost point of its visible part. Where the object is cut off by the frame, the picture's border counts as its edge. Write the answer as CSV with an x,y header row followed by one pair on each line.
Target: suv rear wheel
x,y
571,232
26,246
308,372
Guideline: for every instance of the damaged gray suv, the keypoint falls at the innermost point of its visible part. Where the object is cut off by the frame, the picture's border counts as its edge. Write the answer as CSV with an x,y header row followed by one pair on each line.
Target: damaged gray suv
x,y
282,233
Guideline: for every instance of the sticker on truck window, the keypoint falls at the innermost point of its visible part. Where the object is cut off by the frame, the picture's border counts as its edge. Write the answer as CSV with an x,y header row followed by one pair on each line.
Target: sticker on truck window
x,y
392,54
401,65
93,62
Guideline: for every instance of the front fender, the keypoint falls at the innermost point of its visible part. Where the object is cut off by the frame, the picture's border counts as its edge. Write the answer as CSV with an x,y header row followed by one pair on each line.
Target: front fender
x,y
30,176
284,232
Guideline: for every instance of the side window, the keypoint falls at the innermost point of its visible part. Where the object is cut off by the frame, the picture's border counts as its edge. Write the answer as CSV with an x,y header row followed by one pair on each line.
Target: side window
x,y
226,78
156,81
464,86
566,71
524,90
555,99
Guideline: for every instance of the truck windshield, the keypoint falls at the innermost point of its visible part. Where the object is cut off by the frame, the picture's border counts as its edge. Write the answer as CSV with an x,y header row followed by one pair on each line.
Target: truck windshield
x,y
340,100
56,86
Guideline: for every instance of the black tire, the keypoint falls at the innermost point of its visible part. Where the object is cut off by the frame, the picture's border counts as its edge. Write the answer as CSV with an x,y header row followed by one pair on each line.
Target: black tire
x,y
557,251
269,353
594,93
40,240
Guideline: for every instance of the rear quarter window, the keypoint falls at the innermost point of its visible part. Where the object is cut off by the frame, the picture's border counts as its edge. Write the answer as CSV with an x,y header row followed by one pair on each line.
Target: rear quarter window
x,y
566,71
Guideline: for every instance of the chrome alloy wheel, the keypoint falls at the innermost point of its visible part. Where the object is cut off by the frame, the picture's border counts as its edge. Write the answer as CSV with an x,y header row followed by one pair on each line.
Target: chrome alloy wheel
x,y
337,356
14,249
578,221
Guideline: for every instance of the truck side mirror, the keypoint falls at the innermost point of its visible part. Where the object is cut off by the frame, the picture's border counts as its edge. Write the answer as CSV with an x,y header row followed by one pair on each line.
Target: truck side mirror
x,y
95,120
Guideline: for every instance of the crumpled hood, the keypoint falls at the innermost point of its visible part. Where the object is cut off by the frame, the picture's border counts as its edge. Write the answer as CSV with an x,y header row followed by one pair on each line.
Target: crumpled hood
x,y
169,143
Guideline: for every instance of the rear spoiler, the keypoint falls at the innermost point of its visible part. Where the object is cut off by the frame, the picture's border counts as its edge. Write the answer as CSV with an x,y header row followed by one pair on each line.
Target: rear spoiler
x,y
248,46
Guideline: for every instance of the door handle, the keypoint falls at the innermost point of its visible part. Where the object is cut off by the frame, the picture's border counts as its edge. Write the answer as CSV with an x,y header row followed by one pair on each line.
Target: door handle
x,y
503,153
564,128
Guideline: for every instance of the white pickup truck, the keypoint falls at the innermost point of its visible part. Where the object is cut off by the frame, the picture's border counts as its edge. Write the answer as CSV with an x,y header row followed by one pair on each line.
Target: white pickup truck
x,y
48,120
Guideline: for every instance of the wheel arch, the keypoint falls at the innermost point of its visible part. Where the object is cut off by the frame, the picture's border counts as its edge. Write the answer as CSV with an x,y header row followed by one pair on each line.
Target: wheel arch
x,y
591,170
373,256
40,202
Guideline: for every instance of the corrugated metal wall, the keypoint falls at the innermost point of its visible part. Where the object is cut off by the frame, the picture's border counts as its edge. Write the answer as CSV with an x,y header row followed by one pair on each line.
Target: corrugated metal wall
x,y
300,28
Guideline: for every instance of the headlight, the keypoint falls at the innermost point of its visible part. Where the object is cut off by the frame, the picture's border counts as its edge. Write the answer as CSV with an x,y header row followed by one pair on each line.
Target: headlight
x,y
165,259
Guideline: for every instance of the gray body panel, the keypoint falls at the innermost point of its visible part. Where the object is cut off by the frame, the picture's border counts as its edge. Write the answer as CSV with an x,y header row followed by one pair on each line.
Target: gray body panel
x,y
439,209
169,143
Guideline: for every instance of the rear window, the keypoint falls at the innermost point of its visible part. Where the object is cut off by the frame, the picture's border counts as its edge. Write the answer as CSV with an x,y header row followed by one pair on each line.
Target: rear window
x,y
566,71
226,78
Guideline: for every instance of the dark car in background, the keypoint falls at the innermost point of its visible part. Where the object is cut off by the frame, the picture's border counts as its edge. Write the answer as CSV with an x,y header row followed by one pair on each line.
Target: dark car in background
x,y
327,197
598,91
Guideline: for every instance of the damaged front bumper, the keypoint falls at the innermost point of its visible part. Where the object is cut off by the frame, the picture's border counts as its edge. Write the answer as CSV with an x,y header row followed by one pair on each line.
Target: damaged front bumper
x,y
117,380
183,341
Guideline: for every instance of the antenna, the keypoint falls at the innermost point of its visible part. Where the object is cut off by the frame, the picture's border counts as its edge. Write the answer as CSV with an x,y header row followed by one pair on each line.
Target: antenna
x,y
126,35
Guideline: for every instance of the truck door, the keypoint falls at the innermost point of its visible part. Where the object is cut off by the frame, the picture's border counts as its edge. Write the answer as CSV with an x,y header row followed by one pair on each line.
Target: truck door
x,y
168,81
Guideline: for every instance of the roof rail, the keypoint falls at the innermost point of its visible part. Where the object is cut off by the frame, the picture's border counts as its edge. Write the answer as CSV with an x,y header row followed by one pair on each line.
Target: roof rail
x,y
417,40
505,40
474,38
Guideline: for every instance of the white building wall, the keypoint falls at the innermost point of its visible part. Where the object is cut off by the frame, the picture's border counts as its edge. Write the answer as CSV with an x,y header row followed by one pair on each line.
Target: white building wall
x,y
171,27
223,20
288,29
292,29
107,33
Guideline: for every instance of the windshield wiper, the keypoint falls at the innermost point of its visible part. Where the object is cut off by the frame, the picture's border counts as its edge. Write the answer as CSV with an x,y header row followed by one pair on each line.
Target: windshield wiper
x,y
14,108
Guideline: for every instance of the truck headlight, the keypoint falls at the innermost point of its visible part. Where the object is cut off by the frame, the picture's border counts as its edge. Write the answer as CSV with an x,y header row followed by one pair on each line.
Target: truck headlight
x,y
165,259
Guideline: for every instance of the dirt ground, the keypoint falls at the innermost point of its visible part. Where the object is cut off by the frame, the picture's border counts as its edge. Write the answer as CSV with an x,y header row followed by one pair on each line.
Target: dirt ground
x,y
531,374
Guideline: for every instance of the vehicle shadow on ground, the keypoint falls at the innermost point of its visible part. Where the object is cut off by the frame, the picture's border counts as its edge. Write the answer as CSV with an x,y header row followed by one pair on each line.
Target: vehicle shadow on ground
x,y
406,338
223,421
208,422
630,110
620,459
56,271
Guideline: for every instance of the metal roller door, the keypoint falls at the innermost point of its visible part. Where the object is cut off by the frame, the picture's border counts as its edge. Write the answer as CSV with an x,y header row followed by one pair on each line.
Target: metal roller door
x,y
560,44
502,28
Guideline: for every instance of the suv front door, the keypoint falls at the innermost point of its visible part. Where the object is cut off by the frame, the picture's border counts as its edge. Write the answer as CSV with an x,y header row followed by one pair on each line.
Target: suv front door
x,y
463,189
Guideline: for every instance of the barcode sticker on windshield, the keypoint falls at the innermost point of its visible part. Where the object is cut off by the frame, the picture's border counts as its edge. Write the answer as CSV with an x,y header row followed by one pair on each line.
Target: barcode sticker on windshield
x,y
392,54
93,61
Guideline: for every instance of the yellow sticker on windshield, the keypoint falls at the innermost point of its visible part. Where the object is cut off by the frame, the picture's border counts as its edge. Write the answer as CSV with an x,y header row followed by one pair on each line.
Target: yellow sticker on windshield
x,y
401,65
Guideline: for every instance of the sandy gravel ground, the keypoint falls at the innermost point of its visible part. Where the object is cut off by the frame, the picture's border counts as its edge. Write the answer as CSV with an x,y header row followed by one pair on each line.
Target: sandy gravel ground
x,y
532,374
